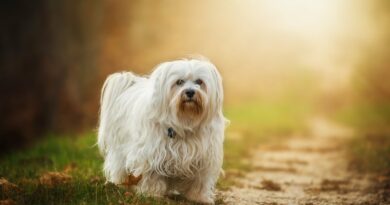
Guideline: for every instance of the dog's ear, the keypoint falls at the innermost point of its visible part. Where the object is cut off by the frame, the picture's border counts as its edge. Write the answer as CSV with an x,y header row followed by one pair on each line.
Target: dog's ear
x,y
218,94
160,91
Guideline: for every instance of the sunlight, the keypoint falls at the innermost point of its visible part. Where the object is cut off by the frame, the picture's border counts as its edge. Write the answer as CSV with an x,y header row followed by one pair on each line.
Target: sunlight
x,y
305,17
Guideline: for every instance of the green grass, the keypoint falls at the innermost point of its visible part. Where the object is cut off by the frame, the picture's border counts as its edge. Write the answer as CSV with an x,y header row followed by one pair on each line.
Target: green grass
x,y
87,186
365,116
54,153
269,117
369,149
370,153
253,123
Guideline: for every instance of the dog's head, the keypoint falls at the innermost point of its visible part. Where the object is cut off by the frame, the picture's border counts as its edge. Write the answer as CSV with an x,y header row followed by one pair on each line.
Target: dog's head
x,y
187,92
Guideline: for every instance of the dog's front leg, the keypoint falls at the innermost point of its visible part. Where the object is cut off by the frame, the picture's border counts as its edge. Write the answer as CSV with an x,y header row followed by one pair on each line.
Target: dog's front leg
x,y
201,189
152,184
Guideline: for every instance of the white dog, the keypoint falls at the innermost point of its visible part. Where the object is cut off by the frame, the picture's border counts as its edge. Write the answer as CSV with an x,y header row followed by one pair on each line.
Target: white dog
x,y
167,128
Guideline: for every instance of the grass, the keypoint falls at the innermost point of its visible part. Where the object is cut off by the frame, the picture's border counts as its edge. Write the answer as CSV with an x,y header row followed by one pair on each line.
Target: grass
x,y
365,116
369,149
78,158
370,153
86,186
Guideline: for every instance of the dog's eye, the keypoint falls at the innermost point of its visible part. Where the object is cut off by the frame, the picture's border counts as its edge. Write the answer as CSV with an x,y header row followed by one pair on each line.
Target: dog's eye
x,y
199,82
180,82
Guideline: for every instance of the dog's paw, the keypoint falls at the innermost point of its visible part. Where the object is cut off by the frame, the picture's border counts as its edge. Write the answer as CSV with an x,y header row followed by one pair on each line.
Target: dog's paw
x,y
206,200
200,198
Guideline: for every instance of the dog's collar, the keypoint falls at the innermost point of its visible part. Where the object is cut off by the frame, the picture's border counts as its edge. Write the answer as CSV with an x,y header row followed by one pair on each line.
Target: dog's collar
x,y
171,132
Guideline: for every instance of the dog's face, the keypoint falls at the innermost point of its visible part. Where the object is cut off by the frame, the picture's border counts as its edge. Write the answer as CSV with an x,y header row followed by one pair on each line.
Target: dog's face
x,y
189,90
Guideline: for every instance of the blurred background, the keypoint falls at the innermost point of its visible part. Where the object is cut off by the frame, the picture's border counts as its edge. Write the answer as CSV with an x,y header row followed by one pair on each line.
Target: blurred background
x,y
281,60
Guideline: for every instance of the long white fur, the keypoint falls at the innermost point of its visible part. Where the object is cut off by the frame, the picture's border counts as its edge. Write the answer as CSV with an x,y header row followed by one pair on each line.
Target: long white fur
x,y
135,115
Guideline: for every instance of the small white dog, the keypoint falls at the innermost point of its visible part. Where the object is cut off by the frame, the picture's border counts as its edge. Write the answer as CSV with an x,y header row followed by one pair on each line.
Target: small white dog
x,y
167,128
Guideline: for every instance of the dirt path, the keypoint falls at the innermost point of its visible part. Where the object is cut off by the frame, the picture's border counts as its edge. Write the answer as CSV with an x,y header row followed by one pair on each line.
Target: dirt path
x,y
304,170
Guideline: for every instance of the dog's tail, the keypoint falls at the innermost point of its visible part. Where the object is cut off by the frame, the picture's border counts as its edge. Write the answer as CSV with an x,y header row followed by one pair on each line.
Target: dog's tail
x,y
113,87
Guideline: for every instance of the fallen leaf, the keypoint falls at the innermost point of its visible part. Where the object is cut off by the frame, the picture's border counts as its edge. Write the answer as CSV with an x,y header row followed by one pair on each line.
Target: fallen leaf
x,y
127,194
8,187
70,167
54,178
270,185
132,180
382,178
7,202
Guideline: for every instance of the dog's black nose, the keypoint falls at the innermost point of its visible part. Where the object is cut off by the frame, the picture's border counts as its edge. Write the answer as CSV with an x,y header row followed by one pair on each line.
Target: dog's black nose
x,y
190,93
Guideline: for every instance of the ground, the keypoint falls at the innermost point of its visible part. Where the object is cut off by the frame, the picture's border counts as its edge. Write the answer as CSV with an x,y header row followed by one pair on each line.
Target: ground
x,y
305,170
272,156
